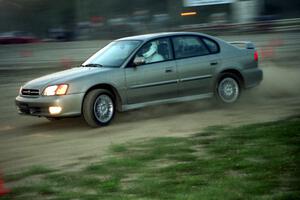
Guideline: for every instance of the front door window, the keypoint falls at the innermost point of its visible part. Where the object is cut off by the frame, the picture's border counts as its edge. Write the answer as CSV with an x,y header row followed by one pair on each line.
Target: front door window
x,y
155,51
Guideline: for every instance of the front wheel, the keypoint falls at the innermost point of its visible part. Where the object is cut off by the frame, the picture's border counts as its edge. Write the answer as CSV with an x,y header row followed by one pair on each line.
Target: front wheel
x,y
228,89
98,108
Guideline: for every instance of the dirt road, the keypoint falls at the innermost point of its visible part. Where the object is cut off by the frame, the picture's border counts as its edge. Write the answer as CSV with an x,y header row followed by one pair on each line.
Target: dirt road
x,y
26,141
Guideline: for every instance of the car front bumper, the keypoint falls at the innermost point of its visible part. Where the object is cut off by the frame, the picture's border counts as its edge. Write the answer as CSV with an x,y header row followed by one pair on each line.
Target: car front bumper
x,y
39,106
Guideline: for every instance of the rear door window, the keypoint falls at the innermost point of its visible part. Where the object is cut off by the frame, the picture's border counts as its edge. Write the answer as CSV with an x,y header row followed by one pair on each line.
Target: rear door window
x,y
189,46
212,45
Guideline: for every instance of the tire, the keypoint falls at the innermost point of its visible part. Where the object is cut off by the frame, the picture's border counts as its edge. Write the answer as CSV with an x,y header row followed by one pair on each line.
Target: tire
x,y
228,89
98,107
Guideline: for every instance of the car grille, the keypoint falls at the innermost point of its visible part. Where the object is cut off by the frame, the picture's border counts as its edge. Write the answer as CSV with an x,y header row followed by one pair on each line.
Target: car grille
x,y
30,92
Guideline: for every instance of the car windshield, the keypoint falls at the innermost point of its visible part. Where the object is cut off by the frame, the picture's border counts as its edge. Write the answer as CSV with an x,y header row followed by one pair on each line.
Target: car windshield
x,y
113,55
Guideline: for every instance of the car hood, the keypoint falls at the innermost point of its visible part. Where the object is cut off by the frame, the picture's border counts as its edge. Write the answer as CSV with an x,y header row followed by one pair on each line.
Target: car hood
x,y
62,77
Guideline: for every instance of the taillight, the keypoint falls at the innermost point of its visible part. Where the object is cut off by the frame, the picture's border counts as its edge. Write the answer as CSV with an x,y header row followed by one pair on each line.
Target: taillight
x,y
256,56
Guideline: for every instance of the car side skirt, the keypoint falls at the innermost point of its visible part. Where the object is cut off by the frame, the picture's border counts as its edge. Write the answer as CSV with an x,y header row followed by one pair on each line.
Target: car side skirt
x,y
166,101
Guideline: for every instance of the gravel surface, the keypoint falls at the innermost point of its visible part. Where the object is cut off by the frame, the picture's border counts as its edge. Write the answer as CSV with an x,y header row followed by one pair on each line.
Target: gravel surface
x,y
26,141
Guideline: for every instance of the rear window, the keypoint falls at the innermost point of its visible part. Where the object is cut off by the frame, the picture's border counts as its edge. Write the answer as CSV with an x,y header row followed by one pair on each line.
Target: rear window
x,y
189,46
212,45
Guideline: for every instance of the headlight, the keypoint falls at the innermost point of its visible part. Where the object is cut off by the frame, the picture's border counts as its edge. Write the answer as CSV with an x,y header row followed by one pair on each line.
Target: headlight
x,y
20,90
56,90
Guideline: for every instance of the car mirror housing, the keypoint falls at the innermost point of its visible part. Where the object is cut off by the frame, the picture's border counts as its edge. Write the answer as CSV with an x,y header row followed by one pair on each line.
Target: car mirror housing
x,y
138,61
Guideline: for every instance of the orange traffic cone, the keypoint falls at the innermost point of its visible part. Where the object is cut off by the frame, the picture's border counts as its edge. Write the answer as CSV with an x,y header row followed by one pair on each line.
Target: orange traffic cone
x,y
3,190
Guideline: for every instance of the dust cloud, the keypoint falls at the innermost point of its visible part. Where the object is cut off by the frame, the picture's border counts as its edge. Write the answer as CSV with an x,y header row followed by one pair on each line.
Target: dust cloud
x,y
278,82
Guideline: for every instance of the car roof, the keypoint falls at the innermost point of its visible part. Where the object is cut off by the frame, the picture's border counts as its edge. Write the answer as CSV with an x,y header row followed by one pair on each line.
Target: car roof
x,y
151,36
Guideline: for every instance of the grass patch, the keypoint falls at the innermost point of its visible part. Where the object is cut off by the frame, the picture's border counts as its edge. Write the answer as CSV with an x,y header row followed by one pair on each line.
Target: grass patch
x,y
260,161
34,170
118,148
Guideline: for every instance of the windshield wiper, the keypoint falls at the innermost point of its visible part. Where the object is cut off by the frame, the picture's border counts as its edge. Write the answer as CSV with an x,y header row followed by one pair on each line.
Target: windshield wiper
x,y
92,65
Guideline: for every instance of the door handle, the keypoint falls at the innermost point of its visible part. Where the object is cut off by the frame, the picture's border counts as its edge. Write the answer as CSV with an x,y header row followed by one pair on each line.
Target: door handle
x,y
214,63
168,70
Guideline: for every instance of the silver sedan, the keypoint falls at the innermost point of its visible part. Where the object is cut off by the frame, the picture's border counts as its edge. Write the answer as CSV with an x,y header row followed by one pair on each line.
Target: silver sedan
x,y
144,70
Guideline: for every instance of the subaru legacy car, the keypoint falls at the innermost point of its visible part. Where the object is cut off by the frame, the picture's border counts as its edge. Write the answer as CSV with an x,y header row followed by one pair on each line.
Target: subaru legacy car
x,y
144,70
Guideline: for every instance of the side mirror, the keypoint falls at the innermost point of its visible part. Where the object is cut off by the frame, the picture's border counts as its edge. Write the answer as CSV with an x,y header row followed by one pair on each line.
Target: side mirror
x,y
138,61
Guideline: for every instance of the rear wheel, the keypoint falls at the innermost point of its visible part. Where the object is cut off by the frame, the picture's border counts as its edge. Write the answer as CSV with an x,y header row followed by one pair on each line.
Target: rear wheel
x,y
228,89
98,107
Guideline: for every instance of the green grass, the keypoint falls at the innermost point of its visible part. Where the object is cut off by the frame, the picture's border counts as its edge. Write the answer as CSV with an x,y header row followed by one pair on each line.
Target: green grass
x,y
260,161
34,170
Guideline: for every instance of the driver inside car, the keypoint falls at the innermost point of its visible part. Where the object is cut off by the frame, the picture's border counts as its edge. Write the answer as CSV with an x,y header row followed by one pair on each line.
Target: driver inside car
x,y
151,55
